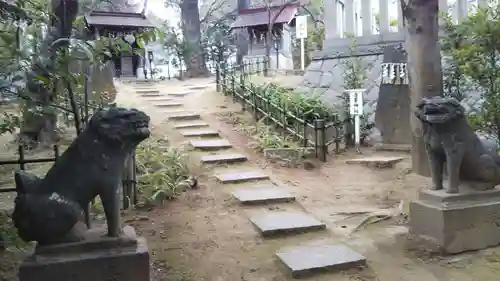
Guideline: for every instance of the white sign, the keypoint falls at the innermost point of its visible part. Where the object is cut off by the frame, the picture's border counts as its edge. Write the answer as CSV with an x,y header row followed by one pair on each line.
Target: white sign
x,y
356,109
356,101
301,27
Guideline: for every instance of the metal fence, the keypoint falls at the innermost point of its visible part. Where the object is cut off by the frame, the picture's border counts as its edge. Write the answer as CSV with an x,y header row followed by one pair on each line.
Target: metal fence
x,y
129,182
310,129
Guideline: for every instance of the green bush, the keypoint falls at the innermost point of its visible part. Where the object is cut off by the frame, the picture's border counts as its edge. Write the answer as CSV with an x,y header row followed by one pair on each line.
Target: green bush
x,y
162,171
305,107
8,234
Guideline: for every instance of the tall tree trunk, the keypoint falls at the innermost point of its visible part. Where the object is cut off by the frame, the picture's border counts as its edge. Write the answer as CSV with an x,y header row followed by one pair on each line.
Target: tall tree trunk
x,y
41,127
242,35
424,61
191,30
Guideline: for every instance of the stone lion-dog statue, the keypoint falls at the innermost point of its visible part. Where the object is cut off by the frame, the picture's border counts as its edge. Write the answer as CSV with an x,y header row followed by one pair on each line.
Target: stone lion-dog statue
x,y
454,149
48,209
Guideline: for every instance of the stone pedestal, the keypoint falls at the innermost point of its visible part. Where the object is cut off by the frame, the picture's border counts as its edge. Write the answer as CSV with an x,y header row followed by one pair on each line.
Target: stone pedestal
x,y
98,259
454,223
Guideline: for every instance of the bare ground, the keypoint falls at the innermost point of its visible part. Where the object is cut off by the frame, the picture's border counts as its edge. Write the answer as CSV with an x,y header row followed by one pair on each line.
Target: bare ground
x,y
205,235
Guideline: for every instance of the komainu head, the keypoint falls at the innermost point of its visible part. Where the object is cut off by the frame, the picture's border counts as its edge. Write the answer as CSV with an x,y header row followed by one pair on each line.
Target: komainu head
x,y
439,110
120,125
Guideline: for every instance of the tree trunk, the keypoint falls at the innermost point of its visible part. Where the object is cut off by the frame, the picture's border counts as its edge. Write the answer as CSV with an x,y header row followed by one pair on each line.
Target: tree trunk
x,y
424,61
39,126
191,30
242,43
242,35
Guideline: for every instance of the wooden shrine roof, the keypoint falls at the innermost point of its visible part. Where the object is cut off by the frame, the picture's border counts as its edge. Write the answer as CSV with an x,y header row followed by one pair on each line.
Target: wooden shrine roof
x,y
125,13
260,16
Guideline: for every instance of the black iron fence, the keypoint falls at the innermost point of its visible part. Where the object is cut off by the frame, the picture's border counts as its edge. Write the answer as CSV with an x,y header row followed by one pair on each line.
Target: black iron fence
x,y
310,129
129,181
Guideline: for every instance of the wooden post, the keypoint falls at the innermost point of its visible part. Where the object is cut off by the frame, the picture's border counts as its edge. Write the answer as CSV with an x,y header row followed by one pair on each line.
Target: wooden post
x,y
127,181
217,78
319,126
424,61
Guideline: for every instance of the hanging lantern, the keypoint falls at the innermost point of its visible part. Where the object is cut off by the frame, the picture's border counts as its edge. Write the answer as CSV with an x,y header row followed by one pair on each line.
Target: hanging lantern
x,y
129,38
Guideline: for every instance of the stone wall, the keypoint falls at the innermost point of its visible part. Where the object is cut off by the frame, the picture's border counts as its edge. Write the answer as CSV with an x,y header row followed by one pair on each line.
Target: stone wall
x,y
325,75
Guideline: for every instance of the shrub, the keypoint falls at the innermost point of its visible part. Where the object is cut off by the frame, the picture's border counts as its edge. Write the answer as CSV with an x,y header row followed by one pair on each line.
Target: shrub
x,y
162,171
306,107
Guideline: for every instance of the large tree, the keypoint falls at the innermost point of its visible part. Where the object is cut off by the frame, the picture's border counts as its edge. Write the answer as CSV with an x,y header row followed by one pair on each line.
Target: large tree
x,y
191,30
424,62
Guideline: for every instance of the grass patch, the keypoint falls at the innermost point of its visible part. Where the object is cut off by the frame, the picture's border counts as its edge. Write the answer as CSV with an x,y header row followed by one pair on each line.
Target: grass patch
x,y
162,171
262,135
9,238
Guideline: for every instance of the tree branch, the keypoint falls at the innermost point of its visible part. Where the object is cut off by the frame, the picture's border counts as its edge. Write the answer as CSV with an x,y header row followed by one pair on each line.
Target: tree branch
x,y
315,21
214,6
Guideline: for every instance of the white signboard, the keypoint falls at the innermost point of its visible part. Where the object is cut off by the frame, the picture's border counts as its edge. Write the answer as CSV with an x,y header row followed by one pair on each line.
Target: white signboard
x,y
301,27
356,110
356,101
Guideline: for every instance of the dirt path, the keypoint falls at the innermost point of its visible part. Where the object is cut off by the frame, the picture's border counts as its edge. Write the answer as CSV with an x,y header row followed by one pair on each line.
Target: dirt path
x,y
206,234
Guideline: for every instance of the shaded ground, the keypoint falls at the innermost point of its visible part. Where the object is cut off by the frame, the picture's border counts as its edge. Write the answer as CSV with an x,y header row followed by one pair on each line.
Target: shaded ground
x,y
205,235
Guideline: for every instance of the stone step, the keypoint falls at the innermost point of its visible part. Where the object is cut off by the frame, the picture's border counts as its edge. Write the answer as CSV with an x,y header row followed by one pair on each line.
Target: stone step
x,y
169,104
377,161
306,260
211,144
191,125
392,147
152,95
223,158
180,94
175,116
200,87
277,223
148,91
262,195
200,133
160,99
237,177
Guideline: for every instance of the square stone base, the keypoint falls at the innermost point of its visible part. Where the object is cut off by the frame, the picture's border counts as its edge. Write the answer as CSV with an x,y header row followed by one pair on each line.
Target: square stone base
x,y
99,259
454,223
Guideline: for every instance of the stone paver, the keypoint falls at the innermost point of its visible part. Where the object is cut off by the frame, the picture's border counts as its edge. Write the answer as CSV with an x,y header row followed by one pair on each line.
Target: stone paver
x,y
160,99
377,161
262,194
168,104
183,115
149,91
393,147
211,144
200,87
223,158
305,260
237,177
286,222
200,133
180,94
191,125
152,95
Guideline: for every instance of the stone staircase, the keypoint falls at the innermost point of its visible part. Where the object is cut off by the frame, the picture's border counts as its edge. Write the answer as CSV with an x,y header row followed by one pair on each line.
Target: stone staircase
x,y
230,168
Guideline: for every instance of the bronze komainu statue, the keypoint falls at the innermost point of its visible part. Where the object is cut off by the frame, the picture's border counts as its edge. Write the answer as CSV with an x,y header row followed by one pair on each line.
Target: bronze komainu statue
x,y
454,148
47,210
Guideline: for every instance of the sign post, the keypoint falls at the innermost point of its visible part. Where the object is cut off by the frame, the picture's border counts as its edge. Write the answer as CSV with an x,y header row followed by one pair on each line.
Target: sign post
x,y
356,110
301,33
